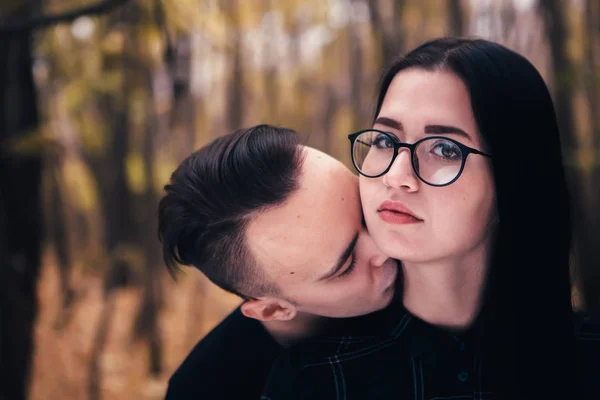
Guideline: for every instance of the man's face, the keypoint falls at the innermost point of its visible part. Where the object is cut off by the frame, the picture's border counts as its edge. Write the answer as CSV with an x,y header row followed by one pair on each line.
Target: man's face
x,y
316,248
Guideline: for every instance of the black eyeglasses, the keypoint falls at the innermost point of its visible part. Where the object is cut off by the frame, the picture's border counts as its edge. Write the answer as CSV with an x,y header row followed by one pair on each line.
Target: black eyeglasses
x,y
436,160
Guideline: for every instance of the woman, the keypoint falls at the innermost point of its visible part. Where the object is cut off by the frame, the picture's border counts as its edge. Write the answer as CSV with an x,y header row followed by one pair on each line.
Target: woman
x,y
462,180
490,206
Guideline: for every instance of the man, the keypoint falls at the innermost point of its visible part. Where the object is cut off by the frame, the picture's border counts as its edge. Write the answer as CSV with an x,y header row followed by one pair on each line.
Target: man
x,y
248,210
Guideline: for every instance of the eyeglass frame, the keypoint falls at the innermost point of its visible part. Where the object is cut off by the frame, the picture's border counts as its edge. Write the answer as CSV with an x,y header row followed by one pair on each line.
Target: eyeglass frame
x,y
464,149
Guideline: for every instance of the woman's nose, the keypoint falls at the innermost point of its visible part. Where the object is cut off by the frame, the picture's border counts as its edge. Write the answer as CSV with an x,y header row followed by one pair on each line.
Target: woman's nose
x,y
401,173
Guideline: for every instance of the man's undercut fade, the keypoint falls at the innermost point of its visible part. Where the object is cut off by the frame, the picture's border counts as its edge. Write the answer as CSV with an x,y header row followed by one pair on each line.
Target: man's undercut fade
x,y
214,194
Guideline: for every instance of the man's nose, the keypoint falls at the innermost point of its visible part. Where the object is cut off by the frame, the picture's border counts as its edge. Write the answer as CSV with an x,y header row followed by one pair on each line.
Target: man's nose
x,y
378,259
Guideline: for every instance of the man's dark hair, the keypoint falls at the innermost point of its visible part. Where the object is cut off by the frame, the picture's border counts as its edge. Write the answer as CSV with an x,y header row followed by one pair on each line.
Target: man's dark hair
x,y
215,193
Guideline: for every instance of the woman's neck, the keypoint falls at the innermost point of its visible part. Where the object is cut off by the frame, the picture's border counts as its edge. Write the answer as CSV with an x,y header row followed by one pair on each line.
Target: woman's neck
x,y
446,293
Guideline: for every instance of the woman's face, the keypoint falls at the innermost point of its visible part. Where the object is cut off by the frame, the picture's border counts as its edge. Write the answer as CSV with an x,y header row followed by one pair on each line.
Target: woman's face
x,y
451,221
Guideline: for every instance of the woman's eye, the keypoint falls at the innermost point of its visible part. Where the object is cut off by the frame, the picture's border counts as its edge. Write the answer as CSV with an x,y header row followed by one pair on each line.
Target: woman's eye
x,y
383,142
446,150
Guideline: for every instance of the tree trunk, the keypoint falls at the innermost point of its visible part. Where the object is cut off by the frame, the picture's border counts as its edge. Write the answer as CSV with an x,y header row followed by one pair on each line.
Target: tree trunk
x,y
271,85
236,87
563,75
360,118
110,172
592,61
391,37
584,211
589,257
100,339
182,122
109,169
455,18
20,214
147,320
57,225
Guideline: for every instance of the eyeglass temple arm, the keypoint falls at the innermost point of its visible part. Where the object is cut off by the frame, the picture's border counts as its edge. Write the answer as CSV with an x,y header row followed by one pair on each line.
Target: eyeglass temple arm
x,y
480,153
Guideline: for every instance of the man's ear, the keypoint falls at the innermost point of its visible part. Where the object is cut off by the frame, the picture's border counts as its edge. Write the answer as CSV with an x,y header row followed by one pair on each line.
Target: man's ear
x,y
269,309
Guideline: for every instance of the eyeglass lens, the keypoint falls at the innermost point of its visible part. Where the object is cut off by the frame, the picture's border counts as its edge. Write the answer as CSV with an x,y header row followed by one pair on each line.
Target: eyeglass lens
x,y
436,161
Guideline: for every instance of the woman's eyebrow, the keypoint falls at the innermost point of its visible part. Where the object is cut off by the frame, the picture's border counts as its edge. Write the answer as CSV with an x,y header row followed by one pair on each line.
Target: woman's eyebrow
x,y
446,129
429,129
390,123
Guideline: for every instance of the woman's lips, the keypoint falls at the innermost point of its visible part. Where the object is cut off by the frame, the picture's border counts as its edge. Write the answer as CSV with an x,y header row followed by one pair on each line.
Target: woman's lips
x,y
394,217
394,212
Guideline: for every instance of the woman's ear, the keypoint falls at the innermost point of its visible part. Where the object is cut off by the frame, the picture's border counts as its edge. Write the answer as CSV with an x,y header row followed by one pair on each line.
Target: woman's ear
x,y
269,309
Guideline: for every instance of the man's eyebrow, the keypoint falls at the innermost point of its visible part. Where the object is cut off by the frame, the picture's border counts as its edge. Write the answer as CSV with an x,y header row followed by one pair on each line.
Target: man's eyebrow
x,y
390,123
446,129
342,259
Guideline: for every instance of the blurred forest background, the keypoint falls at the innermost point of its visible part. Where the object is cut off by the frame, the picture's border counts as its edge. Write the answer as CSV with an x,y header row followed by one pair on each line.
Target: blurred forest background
x,y
102,100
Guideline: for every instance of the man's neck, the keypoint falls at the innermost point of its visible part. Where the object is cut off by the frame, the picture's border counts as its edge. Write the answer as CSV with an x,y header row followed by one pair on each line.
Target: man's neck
x,y
301,327
446,293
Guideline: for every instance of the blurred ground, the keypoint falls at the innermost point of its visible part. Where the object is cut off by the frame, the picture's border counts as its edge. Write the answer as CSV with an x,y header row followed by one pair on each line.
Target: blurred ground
x,y
62,361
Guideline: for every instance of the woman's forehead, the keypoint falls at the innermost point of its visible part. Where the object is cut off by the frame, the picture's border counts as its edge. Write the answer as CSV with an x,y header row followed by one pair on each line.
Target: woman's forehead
x,y
434,88
417,98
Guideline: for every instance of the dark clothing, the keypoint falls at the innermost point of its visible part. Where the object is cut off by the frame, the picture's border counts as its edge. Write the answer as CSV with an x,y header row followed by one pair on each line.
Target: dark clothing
x,y
587,332
404,358
413,360
231,362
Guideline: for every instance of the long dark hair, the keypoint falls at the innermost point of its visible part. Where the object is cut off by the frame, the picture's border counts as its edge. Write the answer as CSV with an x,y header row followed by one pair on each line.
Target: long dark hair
x,y
527,303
